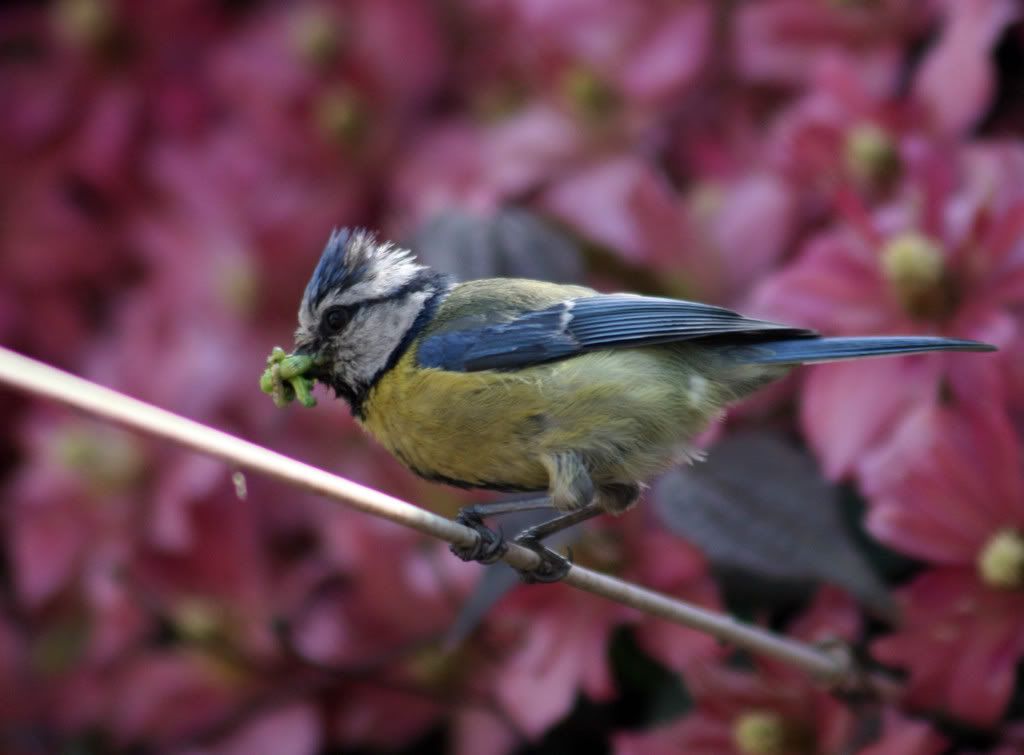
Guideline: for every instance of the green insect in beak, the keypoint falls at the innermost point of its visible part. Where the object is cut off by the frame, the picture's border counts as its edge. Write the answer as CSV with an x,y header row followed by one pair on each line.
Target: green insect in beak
x,y
285,378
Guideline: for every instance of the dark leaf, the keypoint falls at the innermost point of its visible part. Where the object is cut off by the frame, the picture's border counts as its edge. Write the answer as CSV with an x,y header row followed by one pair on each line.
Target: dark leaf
x,y
760,506
510,243
649,693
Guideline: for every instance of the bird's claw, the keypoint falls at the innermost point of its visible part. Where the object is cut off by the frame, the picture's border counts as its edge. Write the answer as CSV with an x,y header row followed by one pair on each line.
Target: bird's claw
x,y
553,566
490,546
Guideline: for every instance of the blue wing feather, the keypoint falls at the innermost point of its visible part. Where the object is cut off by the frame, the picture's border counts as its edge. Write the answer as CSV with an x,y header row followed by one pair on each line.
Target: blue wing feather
x,y
586,324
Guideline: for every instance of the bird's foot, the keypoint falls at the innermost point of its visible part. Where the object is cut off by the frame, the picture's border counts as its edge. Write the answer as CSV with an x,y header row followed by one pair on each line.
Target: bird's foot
x,y
490,546
552,568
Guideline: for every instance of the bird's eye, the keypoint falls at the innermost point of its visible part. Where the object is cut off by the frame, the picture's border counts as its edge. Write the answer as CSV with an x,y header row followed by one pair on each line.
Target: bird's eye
x,y
337,318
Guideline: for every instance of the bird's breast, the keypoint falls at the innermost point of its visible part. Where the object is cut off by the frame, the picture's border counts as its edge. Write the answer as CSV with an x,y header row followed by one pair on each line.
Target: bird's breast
x,y
627,413
471,429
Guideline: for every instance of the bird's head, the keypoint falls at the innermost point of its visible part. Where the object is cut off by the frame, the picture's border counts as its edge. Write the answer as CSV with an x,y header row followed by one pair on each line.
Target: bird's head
x,y
361,309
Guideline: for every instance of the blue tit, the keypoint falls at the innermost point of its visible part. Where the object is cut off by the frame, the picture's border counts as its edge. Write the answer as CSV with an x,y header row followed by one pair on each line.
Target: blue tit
x,y
521,385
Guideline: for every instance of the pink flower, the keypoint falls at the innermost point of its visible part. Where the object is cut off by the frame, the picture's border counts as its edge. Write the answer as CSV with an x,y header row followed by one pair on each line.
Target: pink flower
x,y
956,80
293,729
949,489
376,715
844,131
481,166
850,130
899,736
950,262
161,697
593,54
331,84
79,116
560,652
738,229
959,642
670,565
780,41
556,638
624,204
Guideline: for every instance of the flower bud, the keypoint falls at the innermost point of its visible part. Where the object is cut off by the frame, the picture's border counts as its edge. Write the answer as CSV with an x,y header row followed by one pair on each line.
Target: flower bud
x,y
317,35
108,459
342,117
915,267
87,24
588,93
871,155
760,732
1001,561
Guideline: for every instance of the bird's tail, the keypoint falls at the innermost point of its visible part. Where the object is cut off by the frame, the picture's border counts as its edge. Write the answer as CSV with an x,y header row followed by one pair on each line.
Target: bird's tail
x,y
810,350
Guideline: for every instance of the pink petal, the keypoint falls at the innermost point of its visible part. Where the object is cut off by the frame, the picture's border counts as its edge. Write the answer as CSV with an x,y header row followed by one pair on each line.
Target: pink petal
x,y
961,643
167,696
846,408
916,533
985,666
384,718
775,40
949,478
480,731
754,227
956,78
188,480
290,730
833,614
563,653
665,62
48,540
1006,233
624,204
528,148
835,286
383,27
694,735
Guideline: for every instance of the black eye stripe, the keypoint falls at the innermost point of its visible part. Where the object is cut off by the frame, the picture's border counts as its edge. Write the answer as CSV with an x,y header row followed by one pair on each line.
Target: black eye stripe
x,y
342,314
425,280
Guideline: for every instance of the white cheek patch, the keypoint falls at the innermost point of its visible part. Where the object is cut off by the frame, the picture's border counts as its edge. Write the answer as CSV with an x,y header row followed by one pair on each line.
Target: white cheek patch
x,y
374,336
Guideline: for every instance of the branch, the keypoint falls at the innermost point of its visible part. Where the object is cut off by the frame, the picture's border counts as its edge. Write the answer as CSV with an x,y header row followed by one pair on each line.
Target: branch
x,y
833,668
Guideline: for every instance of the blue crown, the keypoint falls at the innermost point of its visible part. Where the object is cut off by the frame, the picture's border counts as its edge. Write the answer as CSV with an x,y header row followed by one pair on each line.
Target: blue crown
x,y
338,268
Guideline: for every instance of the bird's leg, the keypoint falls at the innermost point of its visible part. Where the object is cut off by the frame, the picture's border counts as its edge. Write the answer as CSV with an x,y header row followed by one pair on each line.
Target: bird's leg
x,y
546,529
554,566
491,545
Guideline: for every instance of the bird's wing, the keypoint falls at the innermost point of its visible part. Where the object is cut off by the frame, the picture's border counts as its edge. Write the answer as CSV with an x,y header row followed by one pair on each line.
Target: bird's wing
x,y
586,324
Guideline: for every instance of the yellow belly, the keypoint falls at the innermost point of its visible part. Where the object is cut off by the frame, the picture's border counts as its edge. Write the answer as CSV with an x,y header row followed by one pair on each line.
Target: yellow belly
x,y
628,413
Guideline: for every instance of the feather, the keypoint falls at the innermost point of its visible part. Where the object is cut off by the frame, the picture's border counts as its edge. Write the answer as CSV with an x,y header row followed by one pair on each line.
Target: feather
x,y
809,350
584,324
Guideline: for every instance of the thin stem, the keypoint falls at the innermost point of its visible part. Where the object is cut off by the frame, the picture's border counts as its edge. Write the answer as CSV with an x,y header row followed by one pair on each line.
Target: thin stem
x,y
832,668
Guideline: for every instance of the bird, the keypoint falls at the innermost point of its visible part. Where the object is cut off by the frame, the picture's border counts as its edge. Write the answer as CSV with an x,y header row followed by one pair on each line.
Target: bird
x,y
572,398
